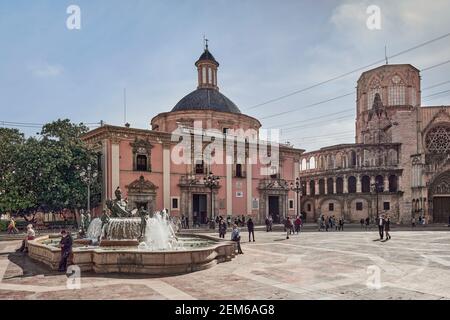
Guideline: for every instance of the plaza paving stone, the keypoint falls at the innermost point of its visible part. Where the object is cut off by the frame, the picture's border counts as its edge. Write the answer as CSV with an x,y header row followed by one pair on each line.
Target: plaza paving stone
x,y
312,265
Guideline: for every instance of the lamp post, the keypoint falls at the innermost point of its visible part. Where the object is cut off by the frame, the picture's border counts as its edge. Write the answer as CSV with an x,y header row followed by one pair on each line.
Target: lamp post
x,y
297,188
376,187
191,180
88,176
211,181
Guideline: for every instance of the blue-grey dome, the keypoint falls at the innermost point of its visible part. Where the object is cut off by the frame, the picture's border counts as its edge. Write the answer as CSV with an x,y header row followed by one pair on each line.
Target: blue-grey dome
x,y
206,99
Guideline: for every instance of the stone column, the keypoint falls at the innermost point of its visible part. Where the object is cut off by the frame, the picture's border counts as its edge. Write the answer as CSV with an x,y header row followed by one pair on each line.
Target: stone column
x,y
345,184
105,193
308,188
249,187
386,183
334,186
229,187
358,183
316,186
325,184
115,169
166,176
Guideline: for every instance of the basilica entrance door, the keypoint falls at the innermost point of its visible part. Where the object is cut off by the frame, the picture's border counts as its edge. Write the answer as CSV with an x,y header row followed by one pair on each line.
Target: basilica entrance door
x,y
199,208
274,208
441,209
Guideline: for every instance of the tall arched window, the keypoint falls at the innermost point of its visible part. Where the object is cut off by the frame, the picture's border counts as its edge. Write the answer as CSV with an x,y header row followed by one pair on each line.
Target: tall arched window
x,y
374,88
312,163
312,188
339,185
330,186
303,167
397,92
365,184
321,187
352,159
393,183
141,162
379,181
352,184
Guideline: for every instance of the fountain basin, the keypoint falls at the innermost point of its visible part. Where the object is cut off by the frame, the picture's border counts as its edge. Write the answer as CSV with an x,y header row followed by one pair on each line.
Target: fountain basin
x,y
133,260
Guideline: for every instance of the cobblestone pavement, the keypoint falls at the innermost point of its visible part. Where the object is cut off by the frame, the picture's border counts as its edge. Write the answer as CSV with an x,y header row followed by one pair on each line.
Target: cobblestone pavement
x,y
312,265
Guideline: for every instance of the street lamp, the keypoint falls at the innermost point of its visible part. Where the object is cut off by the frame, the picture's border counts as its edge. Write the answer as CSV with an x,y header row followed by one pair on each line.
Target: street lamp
x,y
191,181
211,181
88,176
376,187
297,188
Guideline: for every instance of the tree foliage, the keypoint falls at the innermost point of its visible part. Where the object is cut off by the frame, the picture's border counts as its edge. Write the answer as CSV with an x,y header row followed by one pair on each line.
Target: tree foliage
x,y
44,174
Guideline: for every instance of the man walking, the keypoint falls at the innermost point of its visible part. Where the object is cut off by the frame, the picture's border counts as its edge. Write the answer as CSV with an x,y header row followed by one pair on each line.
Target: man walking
x,y
66,250
380,223
367,223
288,227
236,237
251,230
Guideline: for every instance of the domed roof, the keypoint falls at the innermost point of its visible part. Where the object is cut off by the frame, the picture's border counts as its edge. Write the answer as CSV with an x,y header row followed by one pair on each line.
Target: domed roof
x,y
206,99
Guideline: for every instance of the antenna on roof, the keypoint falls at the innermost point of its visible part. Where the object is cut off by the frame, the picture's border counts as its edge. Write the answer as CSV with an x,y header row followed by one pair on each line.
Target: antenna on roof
x,y
385,54
125,107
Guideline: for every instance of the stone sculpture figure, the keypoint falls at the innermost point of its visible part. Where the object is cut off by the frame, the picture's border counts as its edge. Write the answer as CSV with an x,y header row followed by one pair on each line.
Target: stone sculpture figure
x,y
143,214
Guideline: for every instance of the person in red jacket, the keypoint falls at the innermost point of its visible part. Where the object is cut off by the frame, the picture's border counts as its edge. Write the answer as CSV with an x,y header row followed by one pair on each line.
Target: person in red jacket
x,y
298,224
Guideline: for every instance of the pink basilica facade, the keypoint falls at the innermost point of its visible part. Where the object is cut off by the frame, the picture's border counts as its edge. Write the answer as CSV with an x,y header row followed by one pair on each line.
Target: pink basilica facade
x,y
399,164
205,133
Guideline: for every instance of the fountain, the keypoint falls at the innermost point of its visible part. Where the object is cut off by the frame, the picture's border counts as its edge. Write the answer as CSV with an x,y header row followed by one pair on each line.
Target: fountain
x,y
135,242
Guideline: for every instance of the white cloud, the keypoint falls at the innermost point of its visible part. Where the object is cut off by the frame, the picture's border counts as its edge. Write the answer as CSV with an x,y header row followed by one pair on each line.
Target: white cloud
x,y
47,70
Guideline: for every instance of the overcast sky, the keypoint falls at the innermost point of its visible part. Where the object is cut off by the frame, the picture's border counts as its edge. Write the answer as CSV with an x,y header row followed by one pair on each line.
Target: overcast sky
x,y
266,49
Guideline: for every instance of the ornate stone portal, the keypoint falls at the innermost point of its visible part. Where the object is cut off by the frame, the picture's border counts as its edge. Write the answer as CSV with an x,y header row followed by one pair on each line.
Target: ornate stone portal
x,y
142,193
274,194
440,198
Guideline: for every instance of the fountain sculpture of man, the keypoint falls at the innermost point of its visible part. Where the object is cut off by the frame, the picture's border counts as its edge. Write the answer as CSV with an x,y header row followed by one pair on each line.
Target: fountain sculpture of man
x,y
143,214
105,220
83,228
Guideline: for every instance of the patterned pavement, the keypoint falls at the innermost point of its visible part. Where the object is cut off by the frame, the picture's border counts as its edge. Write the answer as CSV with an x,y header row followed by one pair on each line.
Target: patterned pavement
x,y
312,265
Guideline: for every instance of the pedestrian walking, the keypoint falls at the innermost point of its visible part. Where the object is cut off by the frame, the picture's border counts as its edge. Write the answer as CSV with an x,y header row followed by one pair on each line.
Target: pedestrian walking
x,y
288,227
267,224
12,226
341,224
413,222
236,237
270,222
251,230
367,223
380,223
387,227
222,229
66,250
362,223
298,224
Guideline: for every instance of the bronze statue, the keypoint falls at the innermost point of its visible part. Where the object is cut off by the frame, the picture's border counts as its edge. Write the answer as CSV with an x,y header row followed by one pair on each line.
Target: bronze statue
x,y
143,214
118,194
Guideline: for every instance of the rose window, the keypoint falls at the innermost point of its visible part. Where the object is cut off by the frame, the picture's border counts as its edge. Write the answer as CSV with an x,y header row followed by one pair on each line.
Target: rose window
x,y
438,140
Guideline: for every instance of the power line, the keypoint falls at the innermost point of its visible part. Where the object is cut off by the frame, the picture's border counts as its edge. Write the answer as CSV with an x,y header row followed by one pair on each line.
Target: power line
x,y
350,72
318,117
348,94
308,106
436,85
314,124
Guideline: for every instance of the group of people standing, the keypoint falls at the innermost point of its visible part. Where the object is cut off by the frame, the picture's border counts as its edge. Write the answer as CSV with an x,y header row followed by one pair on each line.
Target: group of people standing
x,y
330,223
293,227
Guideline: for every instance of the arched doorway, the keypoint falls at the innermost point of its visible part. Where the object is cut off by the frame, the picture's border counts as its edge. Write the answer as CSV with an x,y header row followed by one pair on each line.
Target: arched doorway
x,y
440,196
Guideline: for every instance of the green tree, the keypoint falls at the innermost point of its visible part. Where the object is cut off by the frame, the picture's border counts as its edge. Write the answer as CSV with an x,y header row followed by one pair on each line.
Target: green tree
x,y
44,173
